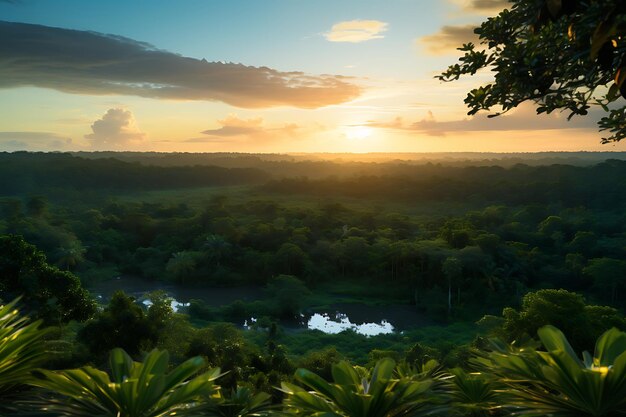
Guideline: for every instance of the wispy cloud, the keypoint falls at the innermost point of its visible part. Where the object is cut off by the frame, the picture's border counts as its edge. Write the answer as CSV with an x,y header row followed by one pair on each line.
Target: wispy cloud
x,y
115,130
488,5
355,31
83,62
255,129
16,141
448,39
523,118
482,6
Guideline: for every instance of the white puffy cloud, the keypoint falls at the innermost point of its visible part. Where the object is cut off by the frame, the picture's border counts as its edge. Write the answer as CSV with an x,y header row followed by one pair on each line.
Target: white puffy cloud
x,y
115,130
355,31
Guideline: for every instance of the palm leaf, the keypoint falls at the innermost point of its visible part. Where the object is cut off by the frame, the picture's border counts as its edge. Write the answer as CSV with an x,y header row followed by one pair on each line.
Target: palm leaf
x,y
133,389
21,349
354,393
556,382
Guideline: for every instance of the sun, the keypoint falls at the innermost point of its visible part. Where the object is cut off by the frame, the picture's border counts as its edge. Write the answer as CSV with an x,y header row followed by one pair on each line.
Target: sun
x,y
358,132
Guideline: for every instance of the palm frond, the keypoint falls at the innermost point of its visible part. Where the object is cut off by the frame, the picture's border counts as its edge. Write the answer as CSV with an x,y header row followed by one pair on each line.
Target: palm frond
x,y
133,389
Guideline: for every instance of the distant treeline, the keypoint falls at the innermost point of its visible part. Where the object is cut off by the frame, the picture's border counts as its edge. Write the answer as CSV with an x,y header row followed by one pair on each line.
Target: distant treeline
x,y
522,184
354,161
22,172
319,166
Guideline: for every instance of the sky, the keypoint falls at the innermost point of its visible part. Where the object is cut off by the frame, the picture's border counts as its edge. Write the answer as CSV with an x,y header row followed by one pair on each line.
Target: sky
x,y
275,76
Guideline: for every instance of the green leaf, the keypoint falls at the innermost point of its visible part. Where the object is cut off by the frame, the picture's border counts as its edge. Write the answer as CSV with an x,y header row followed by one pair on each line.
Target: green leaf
x,y
609,346
121,365
138,389
554,340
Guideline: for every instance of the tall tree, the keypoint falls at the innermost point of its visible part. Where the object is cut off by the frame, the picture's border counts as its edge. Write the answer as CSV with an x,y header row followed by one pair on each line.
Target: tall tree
x,y
452,268
609,275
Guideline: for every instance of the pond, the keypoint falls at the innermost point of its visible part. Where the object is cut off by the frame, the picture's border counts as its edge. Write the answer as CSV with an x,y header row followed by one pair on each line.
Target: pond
x,y
139,288
339,322
369,320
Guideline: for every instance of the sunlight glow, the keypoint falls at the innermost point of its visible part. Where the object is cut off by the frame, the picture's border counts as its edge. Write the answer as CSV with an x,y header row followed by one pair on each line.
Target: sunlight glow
x,y
358,132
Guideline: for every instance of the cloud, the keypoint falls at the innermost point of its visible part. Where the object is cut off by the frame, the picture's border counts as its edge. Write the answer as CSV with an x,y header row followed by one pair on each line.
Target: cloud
x,y
83,62
14,145
233,127
523,118
482,6
488,5
356,31
448,39
115,130
14,141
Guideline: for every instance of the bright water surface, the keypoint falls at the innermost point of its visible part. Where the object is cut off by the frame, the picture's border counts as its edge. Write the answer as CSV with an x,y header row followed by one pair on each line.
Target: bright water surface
x,y
360,318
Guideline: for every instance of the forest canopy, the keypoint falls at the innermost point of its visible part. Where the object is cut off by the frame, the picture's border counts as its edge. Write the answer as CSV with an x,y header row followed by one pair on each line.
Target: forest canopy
x,y
438,245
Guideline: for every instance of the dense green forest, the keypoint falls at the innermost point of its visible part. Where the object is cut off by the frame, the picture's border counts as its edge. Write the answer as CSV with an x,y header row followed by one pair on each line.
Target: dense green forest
x,y
465,251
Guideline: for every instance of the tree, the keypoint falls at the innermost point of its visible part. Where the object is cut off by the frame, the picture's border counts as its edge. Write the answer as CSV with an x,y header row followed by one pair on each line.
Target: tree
x,y
289,294
70,254
223,345
456,233
122,324
566,310
321,361
52,295
608,274
182,265
353,254
561,54
291,259
452,268
216,248
37,206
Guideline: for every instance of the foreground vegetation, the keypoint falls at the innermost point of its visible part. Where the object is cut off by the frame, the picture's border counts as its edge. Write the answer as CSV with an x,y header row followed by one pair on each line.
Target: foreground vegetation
x,y
523,380
477,253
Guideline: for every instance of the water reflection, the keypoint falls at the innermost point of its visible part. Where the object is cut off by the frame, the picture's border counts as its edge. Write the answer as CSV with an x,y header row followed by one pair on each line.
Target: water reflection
x,y
341,322
370,320
247,325
176,305
139,287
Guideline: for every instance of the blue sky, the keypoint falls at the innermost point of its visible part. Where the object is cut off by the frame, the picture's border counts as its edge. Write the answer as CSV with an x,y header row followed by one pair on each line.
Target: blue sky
x,y
284,34
371,62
